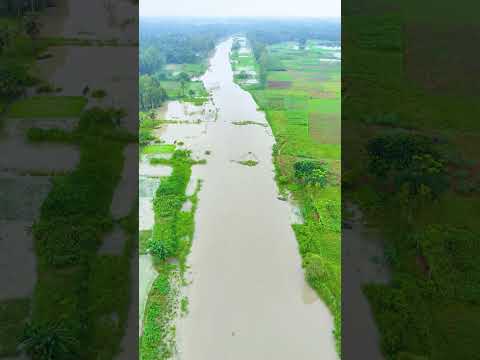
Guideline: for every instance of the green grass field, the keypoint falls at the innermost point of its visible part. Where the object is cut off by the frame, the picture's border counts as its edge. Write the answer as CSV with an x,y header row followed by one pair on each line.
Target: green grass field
x,y
47,107
158,149
399,75
194,91
302,104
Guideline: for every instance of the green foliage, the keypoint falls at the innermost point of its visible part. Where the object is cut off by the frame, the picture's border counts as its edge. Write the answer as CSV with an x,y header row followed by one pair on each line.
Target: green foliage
x,y
158,149
98,93
313,180
396,151
170,238
407,159
49,342
13,314
151,60
31,25
13,79
48,107
311,172
248,162
151,93
51,135
73,219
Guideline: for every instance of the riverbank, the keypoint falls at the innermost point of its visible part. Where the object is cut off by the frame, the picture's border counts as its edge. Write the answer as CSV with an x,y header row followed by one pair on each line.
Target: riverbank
x,y
300,94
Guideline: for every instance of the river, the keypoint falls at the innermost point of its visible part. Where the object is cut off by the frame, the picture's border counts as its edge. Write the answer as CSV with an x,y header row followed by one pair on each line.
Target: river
x,y
247,294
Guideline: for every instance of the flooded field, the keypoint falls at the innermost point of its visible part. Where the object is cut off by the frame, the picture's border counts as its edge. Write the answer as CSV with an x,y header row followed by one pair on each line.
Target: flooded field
x,y
74,68
247,294
35,158
106,20
364,263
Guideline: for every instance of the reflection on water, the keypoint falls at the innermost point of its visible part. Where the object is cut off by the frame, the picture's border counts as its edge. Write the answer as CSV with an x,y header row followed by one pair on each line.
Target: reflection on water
x,y
248,298
147,274
359,246
35,158
74,68
149,179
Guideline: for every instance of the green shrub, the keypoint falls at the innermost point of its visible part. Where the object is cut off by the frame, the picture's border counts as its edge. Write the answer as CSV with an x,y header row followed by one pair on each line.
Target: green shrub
x,y
51,135
98,93
311,172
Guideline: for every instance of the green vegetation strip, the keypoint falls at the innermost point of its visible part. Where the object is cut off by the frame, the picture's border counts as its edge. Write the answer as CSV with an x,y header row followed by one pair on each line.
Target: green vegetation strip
x,y
170,239
48,107
158,149
82,298
248,122
13,314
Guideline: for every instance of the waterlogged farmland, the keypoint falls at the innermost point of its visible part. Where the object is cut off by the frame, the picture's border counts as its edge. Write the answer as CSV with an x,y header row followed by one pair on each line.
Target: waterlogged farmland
x,y
67,216
220,239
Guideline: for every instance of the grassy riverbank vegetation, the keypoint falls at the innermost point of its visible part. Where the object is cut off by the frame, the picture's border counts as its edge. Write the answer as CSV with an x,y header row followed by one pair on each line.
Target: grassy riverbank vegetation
x,y
168,243
412,161
299,90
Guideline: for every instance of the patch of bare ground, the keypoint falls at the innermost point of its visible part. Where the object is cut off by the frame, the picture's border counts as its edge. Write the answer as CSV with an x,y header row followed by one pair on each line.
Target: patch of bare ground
x,y
279,84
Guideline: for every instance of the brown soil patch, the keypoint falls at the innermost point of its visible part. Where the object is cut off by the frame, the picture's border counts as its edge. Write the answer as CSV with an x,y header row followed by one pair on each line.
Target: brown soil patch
x,y
324,128
279,84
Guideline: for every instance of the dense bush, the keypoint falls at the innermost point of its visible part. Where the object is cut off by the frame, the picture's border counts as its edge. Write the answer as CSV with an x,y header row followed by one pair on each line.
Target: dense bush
x,y
311,172
49,341
407,159
51,135
13,79
396,151
151,93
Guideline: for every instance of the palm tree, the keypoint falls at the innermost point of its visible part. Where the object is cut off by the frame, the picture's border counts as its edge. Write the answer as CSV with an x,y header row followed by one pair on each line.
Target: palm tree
x,y
48,342
184,78
32,26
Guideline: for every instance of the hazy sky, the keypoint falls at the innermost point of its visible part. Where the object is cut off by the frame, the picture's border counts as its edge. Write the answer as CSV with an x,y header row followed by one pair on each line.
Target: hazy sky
x,y
310,8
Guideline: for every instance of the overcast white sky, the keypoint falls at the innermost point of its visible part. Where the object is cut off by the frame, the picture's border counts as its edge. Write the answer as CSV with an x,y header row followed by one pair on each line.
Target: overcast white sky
x,y
308,8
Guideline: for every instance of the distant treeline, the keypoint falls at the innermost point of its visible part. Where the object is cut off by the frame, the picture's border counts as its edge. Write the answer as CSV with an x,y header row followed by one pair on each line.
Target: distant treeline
x,y
189,41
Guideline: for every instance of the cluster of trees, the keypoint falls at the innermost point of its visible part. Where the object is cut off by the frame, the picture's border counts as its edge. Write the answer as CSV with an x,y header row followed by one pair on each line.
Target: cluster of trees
x,y
407,160
172,43
151,94
17,40
311,172
177,42
151,59
13,80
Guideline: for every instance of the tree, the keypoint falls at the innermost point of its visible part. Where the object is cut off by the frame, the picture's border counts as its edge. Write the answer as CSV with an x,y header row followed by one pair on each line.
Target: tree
x,y
243,75
311,172
13,79
32,26
301,43
151,93
5,38
151,60
48,342
184,78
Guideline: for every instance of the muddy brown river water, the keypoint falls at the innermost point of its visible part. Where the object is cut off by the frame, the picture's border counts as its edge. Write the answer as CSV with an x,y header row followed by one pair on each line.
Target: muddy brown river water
x,y
247,296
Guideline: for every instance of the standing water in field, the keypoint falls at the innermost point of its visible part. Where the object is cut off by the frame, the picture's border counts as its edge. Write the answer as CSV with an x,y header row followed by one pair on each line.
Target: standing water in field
x,y
247,296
